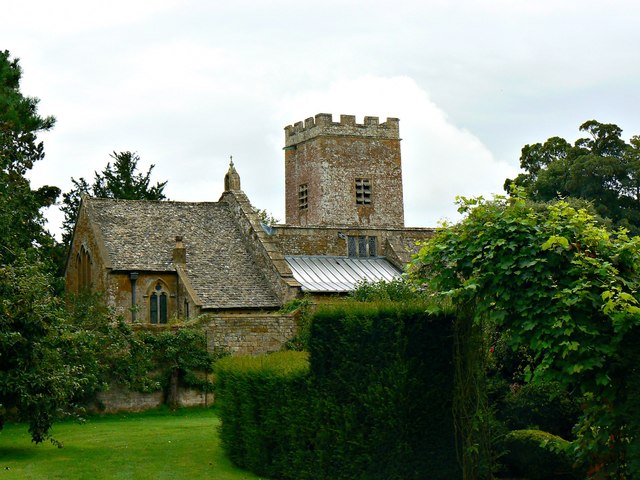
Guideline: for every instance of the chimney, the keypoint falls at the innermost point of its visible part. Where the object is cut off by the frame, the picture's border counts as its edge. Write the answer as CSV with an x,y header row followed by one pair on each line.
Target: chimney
x,y
179,252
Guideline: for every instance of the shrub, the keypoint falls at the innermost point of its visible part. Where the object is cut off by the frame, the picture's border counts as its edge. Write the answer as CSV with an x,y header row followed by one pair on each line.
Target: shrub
x,y
538,455
545,406
374,402
262,401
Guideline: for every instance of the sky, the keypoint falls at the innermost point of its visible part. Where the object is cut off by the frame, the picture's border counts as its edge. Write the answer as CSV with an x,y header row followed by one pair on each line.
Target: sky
x,y
187,84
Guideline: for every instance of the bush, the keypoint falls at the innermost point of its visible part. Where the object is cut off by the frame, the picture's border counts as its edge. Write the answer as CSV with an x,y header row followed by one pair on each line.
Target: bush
x,y
262,402
545,406
375,402
538,455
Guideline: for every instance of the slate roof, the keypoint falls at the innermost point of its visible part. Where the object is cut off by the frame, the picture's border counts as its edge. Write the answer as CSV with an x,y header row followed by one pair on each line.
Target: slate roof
x,y
338,274
140,235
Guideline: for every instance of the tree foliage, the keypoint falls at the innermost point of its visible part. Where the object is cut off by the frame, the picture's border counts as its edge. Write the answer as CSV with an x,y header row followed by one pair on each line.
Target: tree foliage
x,y
565,287
601,168
39,374
119,179
21,223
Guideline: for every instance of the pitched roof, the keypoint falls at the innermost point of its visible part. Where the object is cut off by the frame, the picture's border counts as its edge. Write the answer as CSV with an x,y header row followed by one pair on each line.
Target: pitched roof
x,y
338,274
140,235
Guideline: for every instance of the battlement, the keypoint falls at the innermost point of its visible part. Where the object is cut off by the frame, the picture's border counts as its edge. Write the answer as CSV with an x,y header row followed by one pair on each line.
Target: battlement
x,y
323,124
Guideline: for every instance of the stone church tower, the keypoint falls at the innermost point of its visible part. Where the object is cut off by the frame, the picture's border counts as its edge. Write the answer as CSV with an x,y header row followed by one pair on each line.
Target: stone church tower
x,y
343,173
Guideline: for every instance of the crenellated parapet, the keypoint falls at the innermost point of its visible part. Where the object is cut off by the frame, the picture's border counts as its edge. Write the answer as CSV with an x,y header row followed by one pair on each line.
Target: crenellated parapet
x,y
323,124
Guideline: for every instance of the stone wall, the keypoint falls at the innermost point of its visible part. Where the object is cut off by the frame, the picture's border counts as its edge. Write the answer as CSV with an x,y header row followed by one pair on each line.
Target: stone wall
x,y
327,157
250,333
120,399
396,244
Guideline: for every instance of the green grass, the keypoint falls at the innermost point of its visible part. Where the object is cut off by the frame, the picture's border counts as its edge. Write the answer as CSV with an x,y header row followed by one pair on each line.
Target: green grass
x,y
151,445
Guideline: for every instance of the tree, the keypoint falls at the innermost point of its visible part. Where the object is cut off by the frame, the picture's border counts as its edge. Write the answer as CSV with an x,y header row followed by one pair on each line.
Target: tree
x,y
39,376
563,286
21,223
117,180
601,168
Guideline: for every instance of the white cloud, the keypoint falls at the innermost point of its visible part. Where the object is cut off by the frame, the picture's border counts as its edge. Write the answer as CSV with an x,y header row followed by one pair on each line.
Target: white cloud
x,y
440,160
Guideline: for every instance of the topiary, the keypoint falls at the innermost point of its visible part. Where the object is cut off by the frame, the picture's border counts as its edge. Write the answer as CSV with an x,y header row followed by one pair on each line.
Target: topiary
x,y
538,455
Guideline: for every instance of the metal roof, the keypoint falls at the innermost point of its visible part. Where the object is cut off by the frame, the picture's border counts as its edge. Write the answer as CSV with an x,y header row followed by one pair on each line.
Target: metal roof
x,y
339,274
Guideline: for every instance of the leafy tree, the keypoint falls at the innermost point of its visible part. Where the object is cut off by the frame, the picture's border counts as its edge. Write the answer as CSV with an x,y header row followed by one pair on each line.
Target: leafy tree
x,y
567,289
21,223
179,358
39,376
601,168
117,180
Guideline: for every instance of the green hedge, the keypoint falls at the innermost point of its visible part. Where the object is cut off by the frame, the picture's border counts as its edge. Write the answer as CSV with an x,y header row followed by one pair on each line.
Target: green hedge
x,y
538,455
262,401
386,377
375,402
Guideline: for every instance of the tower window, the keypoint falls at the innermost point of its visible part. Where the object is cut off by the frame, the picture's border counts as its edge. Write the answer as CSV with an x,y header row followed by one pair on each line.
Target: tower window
x,y
303,202
362,246
158,305
363,191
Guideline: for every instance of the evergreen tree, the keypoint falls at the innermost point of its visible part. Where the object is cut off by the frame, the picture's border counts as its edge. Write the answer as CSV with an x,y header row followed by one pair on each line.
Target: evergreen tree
x,y
21,222
117,180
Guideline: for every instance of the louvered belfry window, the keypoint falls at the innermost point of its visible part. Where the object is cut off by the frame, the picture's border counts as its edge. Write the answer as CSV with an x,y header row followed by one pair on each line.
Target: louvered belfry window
x,y
363,191
303,197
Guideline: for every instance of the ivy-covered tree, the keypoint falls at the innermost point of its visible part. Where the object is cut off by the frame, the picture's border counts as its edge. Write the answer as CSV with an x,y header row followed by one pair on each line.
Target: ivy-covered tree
x,y
566,288
21,222
119,179
601,168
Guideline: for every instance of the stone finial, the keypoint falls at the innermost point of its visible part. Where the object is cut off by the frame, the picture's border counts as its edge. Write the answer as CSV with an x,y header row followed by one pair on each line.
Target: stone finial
x,y
231,179
179,252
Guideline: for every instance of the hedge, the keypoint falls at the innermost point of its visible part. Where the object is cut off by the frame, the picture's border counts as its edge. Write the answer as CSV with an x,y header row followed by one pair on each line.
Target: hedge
x,y
262,401
373,402
538,455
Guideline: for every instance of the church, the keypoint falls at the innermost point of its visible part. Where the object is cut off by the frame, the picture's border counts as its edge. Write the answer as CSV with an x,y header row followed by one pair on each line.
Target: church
x,y
157,261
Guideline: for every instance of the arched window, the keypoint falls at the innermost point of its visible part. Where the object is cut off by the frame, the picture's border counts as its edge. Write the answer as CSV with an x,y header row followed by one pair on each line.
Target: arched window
x,y
158,305
83,260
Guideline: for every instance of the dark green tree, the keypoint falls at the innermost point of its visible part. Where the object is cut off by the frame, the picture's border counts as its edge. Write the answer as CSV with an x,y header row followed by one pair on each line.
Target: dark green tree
x,y
21,222
600,168
119,179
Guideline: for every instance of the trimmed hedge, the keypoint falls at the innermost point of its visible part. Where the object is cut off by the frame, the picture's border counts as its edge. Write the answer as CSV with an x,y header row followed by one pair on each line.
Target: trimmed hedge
x,y
538,455
262,401
374,403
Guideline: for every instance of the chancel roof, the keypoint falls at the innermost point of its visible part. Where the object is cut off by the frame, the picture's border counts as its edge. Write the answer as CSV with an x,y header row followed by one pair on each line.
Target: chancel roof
x,y
339,274
140,236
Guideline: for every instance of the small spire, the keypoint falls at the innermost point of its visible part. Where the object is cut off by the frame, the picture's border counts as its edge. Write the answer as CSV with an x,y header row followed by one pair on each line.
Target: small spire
x,y
231,179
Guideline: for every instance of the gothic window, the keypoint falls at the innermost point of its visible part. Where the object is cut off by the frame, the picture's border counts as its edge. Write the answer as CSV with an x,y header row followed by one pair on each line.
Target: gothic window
x,y
303,202
362,246
158,305
83,262
363,191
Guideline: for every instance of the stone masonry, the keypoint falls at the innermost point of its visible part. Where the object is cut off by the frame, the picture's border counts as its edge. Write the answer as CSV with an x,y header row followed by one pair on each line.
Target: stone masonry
x,y
327,162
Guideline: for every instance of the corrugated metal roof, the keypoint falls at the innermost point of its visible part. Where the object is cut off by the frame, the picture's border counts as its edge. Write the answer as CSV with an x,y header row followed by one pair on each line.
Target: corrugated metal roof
x,y
338,274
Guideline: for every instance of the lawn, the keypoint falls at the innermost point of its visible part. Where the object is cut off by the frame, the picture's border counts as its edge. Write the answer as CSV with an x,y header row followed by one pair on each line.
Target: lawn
x,y
151,445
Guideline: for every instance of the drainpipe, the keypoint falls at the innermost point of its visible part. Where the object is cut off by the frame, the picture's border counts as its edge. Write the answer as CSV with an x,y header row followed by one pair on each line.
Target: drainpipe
x,y
133,276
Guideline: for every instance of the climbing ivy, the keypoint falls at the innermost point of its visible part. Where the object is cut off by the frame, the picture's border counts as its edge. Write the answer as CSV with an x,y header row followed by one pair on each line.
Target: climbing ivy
x,y
564,286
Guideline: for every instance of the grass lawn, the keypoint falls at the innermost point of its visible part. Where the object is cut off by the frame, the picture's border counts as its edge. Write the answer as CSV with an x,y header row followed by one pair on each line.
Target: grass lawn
x,y
151,445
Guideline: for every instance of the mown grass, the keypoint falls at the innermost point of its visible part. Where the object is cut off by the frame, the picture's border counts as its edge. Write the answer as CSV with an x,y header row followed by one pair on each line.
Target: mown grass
x,y
151,445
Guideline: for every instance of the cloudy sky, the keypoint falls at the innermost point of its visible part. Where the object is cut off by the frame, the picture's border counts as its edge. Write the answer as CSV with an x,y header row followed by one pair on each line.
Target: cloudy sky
x,y
188,83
